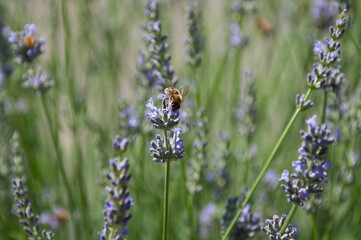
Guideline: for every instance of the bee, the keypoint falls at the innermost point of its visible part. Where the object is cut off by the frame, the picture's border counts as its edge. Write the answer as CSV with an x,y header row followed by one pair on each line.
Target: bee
x,y
175,96
265,26
29,41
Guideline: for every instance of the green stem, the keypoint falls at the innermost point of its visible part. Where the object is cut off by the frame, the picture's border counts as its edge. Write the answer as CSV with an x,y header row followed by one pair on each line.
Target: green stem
x,y
111,234
288,219
59,156
265,166
198,85
190,214
324,108
357,45
166,192
314,227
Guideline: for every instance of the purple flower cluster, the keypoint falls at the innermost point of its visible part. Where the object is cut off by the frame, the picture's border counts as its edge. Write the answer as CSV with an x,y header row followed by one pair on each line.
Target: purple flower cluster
x,y
154,61
324,12
328,53
163,118
238,38
166,120
302,104
174,152
26,45
273,227
247,224
120,145
193,40
28,219
310,170
118,203
40,82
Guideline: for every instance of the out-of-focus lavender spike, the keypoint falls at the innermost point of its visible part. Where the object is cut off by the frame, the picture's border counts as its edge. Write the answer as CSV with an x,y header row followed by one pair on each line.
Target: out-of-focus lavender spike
x,y
198,161
248,223
193,38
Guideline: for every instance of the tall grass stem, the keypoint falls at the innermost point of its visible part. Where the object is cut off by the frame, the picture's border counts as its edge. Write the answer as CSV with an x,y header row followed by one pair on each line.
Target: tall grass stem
x,y
289,218
59,156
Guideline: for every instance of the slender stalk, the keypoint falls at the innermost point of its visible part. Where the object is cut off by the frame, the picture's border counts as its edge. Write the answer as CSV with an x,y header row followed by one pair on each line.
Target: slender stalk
x,y
324,108
59,156
265,167
190,204
289,218
111,234
166,192
314,227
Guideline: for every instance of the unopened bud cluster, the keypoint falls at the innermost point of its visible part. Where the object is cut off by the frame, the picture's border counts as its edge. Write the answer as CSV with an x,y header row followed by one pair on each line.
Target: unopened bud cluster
x,y
274,225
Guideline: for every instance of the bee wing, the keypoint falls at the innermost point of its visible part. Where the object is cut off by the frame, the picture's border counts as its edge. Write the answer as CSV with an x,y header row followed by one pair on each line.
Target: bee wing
x,y
184,90
168,90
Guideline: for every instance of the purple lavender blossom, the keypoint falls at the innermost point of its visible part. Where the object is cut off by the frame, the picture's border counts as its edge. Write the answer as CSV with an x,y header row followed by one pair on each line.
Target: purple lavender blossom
x,y
163,118
193,39
310,170
118,203
302,104
247,224
25,44
324,75
41,82
238,38
274,225
120,145
271,178
154,61
28,219
207,219
324,12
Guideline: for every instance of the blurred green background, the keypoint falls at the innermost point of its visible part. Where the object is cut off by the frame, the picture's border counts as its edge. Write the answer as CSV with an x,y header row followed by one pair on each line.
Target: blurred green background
x,y
91,52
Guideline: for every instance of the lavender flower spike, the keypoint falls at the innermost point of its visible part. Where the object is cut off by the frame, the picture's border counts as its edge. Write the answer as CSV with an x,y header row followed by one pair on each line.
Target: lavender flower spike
x,y
247,224
193,40
273,227
28,219
118,203
310,170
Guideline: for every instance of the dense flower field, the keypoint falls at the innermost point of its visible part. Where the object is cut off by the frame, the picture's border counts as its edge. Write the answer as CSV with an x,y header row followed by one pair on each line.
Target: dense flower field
x,y
194,119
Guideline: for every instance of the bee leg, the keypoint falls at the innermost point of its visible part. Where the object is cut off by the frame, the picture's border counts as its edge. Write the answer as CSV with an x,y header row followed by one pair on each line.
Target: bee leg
x,y
164,103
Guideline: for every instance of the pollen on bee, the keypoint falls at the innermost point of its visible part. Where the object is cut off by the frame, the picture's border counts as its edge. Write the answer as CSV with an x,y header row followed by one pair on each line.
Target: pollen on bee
x,y
29,41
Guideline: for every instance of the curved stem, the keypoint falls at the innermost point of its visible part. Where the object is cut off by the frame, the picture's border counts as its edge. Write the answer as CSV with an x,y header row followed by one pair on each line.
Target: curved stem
x,y
288,219
166,191
324,108
59,157
265,166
